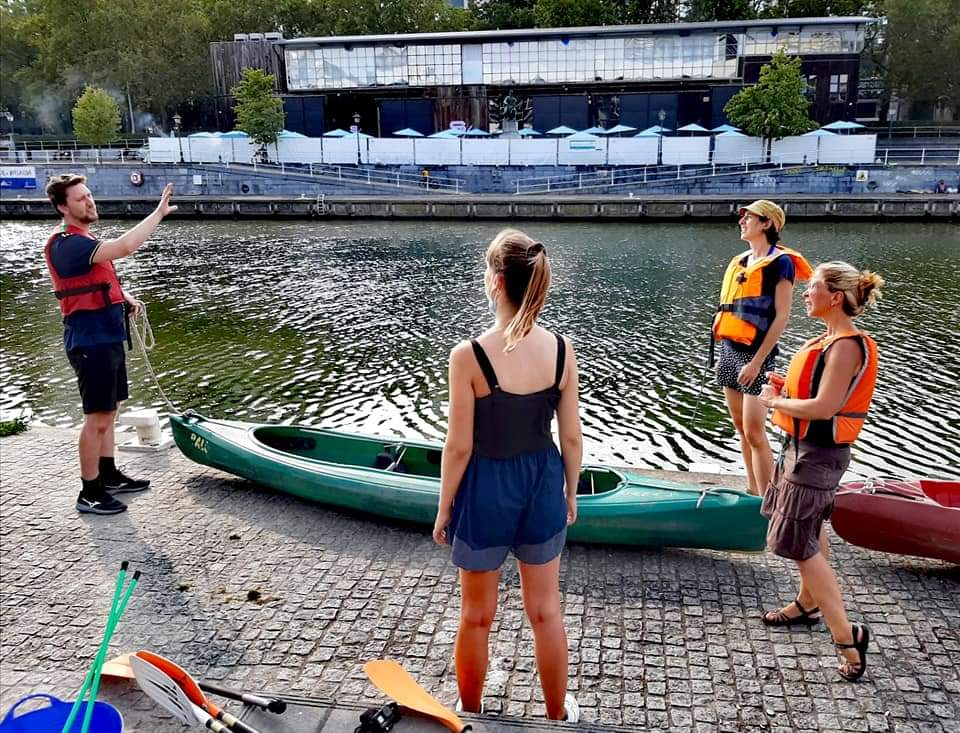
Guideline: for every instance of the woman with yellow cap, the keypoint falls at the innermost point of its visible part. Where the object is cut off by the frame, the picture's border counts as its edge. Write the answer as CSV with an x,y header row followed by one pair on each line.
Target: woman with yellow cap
x,y
754,307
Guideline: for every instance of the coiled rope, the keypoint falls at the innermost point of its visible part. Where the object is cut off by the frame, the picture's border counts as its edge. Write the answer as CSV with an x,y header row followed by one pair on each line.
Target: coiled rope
x,y
143,335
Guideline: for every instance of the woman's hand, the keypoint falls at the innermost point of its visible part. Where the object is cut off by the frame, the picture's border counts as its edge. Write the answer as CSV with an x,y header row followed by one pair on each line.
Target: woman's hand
x,y
768,394
440,526
571,509
748,375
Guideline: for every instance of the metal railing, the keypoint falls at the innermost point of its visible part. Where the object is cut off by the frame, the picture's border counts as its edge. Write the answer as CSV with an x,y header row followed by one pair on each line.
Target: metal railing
x,y
921,156
892,131
80,155
368,176
651,174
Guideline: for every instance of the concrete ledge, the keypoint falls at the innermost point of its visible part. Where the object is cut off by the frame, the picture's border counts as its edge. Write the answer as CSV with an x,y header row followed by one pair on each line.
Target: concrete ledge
x,y
469,206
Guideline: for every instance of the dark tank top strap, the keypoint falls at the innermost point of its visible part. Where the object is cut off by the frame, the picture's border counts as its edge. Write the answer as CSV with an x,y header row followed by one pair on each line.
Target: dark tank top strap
x,y
485,366
561,359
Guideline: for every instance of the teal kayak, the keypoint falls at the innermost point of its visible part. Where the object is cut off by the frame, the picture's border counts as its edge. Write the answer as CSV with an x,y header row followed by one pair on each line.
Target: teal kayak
x,y
400,479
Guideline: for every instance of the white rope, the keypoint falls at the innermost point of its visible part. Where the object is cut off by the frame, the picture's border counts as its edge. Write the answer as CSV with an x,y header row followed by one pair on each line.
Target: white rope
x,y
143,335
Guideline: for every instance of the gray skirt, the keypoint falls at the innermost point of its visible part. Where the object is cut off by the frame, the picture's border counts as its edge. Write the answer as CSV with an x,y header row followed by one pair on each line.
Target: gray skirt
x,y
801,497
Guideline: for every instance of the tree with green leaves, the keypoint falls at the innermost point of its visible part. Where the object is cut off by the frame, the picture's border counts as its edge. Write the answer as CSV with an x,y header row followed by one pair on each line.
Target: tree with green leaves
x,y
922,40
503,14
258,108
776,106
700,11
96,117
570,13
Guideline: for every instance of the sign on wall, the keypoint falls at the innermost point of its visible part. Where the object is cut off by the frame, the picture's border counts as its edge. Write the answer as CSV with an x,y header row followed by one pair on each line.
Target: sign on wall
x,y
18,176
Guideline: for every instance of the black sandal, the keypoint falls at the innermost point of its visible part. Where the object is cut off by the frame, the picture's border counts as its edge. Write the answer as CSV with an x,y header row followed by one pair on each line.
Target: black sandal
x,y
861,646
779,618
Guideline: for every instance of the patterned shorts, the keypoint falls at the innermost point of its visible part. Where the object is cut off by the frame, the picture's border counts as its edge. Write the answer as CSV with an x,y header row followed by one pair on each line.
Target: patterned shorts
x,y
729,363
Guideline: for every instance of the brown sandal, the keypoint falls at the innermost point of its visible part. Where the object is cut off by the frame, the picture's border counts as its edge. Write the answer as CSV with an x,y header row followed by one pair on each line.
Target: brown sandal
x,y
779,618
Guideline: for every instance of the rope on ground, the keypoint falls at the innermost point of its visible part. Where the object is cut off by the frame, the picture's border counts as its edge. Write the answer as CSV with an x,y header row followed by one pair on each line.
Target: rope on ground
x,y
143,335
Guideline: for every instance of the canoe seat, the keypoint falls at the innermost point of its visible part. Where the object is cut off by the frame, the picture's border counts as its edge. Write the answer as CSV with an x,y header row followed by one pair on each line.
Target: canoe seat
x,y
388,460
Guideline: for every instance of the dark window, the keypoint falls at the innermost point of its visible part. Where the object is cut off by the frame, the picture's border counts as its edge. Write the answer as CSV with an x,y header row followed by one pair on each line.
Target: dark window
x,y
838,88
811,90
729,43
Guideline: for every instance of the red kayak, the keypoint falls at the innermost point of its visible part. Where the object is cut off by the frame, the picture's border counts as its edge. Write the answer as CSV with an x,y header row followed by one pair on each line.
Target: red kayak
x,y
918,517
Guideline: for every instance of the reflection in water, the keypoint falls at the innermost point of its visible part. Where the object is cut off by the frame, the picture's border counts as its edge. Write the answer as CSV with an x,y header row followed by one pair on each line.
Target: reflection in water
x,y
349,325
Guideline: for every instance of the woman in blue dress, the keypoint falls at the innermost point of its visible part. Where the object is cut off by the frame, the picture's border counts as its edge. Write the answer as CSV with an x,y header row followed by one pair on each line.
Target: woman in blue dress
x,y
505,487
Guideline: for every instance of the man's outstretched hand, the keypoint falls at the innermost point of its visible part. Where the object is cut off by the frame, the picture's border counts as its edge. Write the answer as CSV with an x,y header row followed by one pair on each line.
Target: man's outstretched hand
x,y
164,206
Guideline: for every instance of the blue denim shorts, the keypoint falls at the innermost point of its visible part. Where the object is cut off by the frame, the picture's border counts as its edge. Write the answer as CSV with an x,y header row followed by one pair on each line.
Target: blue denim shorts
x,y
509,505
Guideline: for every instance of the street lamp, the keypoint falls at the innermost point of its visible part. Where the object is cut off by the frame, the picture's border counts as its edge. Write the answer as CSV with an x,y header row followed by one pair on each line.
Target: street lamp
x,y
8,116
177,119
356,131
661,115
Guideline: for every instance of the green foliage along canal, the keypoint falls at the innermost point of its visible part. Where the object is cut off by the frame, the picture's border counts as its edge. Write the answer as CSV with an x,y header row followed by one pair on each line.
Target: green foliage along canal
x,y
348,325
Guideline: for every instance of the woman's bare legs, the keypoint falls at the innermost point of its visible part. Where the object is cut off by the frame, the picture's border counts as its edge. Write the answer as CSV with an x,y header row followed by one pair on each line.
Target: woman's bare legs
x,y
541,600
478,606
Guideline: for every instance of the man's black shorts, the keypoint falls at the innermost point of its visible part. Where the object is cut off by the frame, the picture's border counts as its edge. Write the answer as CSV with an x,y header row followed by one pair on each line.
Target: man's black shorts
x,y
101,375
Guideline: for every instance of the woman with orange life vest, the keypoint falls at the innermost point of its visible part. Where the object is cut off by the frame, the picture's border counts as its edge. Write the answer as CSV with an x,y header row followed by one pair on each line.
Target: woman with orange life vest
x,y
754,308
821,404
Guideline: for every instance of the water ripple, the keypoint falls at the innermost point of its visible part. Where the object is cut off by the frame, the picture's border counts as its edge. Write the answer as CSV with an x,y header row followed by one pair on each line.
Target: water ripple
x,y
348,325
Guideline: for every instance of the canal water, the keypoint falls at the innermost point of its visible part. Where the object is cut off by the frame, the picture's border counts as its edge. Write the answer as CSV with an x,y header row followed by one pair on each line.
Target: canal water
x,y
348,325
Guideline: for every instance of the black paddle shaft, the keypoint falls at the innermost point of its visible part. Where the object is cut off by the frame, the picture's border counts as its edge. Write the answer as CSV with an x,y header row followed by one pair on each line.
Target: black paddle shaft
x,y
271,704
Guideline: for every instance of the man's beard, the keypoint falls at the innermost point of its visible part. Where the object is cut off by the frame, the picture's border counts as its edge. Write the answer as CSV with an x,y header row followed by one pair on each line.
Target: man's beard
x,y
89,218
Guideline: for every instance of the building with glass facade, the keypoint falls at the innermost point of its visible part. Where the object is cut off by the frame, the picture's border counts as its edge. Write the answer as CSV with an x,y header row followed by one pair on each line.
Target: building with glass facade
x,y
579,77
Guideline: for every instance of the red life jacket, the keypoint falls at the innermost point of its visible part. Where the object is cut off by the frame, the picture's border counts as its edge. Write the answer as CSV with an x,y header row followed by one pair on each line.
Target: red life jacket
x,y
96,289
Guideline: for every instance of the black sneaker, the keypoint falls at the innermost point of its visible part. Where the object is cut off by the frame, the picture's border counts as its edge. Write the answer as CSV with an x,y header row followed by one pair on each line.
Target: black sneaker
x,y
119,483
103,504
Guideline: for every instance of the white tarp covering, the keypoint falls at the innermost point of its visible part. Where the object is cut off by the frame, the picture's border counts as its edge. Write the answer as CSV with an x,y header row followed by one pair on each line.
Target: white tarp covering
x,y
392,151
848,148
686,150
582,152
164,150
340,150
486,152
737,150
632,151
798,149
302,150
533,152
437,151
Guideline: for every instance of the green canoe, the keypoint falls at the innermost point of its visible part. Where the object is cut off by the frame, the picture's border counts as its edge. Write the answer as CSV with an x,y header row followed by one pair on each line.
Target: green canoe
x,y
399,478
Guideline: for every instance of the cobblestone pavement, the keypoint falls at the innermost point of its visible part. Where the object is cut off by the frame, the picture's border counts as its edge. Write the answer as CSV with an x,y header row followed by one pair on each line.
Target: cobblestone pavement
x,y
266,591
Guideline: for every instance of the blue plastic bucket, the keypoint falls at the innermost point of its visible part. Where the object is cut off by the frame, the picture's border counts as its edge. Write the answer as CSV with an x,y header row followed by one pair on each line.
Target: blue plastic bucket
x,y
105,718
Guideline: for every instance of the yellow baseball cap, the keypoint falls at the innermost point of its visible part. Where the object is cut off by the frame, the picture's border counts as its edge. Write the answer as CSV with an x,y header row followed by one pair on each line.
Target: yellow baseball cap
x,y
768,210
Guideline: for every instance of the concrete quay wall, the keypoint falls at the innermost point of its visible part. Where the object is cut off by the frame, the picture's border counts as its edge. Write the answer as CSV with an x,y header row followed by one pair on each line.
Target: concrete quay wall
x,y
113,180
927,207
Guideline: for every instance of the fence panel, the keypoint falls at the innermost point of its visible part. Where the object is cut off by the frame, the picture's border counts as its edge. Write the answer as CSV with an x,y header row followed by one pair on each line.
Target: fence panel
x,y
486,152
686,150
848,149
343,150
393,151
437,151
737,150
164,150
582,152
796,149
632,151
303,150
534,152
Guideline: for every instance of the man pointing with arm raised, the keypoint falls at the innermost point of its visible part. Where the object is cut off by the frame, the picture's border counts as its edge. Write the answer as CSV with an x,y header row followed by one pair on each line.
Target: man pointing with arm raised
x,y
92,303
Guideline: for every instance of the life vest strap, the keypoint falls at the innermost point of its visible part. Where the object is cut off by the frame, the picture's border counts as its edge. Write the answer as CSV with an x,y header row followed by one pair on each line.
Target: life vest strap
x,y
61,294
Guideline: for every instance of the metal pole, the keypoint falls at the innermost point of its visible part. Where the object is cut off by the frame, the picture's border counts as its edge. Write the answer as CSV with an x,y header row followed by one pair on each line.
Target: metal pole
x,y
923,155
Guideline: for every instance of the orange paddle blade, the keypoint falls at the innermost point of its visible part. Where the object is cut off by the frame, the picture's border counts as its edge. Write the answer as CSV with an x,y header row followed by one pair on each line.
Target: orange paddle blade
x,y
184,681
118,667
396,683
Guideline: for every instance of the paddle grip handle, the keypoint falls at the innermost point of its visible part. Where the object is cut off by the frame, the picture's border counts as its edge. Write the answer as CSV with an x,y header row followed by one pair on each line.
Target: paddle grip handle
x,y
271,704
235,724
